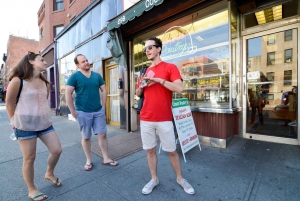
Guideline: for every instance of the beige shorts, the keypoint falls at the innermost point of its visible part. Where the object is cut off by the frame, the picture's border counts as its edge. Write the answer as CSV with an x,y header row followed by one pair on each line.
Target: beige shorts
x,y
165,132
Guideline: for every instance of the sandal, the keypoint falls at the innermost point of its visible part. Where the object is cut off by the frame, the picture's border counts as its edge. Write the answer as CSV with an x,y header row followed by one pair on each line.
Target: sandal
x,y
38,197
57,181
88,167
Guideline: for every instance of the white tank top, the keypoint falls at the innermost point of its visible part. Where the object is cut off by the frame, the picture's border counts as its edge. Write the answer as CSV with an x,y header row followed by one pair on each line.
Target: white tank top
x,y
32,112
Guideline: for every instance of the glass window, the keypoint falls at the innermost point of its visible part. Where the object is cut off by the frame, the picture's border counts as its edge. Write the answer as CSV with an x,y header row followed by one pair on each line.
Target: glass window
x,y
41,33
58,5
288,55
288,35
287,77
271,39
271,58
198,45
58,29
270,76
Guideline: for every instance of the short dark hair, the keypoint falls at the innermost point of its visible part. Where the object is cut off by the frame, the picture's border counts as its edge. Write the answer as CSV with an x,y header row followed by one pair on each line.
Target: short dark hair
x,y
157,41
75,59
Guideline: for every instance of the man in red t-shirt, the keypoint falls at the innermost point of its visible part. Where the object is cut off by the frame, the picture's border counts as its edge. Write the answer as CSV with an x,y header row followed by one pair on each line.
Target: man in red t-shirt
x,y
159,82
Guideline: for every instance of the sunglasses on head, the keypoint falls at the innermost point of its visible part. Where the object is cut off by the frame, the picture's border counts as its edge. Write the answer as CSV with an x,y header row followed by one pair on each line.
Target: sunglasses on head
x,y
149,47
29,53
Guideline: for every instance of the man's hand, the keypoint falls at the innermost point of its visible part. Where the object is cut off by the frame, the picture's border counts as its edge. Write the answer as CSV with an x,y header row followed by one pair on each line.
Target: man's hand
x,y
74,114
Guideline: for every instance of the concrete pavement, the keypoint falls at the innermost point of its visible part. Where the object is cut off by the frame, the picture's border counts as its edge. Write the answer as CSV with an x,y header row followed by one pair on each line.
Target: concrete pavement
x,y
246,170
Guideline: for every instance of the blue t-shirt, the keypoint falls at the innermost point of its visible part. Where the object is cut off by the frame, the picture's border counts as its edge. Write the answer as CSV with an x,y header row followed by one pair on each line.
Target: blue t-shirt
x,y
87,94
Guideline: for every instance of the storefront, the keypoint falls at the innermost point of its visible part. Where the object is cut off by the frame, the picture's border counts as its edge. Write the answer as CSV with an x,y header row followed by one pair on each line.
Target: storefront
x,y
211,43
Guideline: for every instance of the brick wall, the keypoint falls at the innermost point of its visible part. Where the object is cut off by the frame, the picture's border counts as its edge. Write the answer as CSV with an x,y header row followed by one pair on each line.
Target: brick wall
x,y
17,47
47,18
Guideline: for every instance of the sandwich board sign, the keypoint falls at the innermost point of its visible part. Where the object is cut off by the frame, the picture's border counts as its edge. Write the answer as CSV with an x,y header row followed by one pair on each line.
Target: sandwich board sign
x,y
185,126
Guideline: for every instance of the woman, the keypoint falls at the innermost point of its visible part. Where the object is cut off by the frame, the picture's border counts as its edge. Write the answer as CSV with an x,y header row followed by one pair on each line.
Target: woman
x,y
31,119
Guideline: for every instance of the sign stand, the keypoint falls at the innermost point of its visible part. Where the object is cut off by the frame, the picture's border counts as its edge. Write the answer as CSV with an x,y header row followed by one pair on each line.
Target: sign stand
x,y
184,122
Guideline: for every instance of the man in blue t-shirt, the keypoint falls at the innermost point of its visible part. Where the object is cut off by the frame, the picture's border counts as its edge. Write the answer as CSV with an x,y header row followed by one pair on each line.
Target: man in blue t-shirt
x,y
88,110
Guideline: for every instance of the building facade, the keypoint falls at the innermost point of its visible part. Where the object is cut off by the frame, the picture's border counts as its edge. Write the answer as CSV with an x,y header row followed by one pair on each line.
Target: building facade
x,y
17,48
53,16
222,48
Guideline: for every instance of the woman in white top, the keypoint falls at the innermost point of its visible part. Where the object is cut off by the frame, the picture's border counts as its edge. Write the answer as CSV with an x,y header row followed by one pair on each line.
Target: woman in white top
x,y
31,118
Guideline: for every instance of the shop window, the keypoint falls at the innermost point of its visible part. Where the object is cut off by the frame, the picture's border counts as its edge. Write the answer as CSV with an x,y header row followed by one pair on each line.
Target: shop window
x,y
200,50
288,35
288,55
271,39
287,77
58,29
270,76
270,58
58,5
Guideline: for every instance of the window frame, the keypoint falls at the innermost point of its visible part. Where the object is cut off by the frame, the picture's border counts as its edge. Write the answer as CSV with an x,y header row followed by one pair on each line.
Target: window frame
x,y
285,35
269,39
287,77
54,29
56,3
285,57
269,61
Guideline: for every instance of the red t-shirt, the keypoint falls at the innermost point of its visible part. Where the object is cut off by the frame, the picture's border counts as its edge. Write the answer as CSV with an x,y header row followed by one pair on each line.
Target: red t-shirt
x,y
157,98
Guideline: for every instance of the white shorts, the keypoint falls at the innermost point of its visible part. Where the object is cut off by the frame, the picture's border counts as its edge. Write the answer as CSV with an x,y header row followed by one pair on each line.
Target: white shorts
x,y
165,132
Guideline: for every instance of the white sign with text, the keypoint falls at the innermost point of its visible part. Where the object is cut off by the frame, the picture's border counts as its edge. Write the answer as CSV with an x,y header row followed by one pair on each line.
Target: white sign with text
x,y
185,126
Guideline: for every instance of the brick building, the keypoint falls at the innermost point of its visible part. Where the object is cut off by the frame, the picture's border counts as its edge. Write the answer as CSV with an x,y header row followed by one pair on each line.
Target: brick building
x,y
17,47
54,15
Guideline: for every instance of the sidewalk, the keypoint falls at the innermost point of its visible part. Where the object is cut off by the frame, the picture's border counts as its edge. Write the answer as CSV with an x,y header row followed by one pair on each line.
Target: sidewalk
x,y
246,170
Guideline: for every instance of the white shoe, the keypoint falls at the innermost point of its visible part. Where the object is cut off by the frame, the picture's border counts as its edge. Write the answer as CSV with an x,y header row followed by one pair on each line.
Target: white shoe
x,y
186,186
149,186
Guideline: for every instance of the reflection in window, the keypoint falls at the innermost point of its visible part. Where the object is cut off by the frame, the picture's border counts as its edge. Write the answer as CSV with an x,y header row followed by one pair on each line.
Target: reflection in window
x,y
271,39
58,5
249,64
270,96
287,77
288,55
288,35
271,58
270,76
199,46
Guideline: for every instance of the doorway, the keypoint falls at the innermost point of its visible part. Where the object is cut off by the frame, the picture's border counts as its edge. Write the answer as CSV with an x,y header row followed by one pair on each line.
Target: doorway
x,y
113,96
271,85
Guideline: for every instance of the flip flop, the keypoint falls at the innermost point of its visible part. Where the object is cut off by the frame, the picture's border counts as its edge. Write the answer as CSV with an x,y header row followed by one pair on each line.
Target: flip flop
x,y
88,167
56,183
111,163
38,197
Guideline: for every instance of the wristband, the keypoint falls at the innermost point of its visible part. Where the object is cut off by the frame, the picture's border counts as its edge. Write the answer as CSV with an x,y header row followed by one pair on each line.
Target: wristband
x,y
163,82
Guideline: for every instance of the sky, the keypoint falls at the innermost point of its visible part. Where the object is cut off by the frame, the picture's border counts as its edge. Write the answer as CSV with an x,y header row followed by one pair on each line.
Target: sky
x,y
18,17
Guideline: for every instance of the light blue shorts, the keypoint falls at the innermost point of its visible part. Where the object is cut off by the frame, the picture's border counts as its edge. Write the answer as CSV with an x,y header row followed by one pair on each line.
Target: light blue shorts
x,y
89,121
23,135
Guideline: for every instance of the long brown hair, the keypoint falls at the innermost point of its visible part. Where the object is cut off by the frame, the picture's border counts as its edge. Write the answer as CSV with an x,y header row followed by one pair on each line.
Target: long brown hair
x,y
24,69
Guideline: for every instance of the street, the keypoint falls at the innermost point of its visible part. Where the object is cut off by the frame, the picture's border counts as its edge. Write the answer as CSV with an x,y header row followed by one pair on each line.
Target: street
x,y
246,170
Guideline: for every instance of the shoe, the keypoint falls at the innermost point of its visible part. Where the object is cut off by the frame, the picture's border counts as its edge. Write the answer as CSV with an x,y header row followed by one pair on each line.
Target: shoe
x,y
149,187
55,181
38,196
186,186
294,123
88,167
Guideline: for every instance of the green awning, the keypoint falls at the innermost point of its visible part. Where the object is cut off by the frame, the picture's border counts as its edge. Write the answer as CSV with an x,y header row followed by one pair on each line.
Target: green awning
x,y
134,11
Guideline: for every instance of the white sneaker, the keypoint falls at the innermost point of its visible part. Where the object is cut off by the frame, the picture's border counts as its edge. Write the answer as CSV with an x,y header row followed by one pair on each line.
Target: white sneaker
x,y
149,186
186,186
